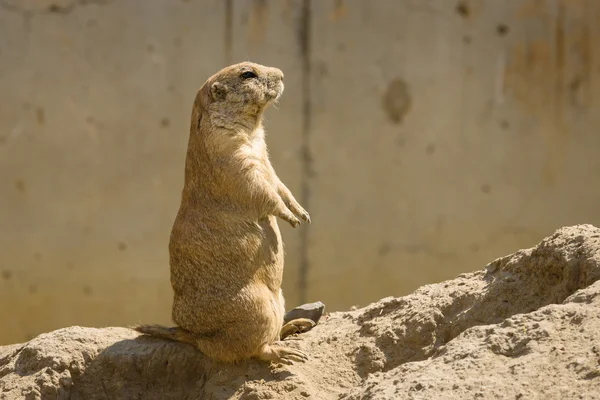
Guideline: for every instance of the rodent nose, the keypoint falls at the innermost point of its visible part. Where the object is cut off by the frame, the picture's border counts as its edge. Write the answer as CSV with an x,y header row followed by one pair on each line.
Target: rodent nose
x,y
279,73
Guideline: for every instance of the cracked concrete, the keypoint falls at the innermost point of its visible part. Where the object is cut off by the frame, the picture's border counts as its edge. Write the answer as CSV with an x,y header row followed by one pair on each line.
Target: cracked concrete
x,y
95,102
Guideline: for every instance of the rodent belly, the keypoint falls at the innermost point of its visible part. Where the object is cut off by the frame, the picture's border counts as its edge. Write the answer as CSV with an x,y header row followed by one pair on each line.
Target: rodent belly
x,y
272,245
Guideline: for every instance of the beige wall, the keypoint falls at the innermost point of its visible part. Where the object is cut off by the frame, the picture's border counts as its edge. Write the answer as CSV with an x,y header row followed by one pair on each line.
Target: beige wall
x,y
425,138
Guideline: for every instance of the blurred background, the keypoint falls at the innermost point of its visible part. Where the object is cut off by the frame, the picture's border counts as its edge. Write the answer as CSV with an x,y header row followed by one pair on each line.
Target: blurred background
x,y
425,137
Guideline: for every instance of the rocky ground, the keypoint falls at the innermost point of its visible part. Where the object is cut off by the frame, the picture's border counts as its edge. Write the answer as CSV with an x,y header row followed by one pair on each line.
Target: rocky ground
x,y
525,327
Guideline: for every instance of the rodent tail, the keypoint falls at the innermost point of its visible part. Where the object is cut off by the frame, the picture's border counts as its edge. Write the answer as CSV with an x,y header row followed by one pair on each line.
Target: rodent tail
x,y
174,333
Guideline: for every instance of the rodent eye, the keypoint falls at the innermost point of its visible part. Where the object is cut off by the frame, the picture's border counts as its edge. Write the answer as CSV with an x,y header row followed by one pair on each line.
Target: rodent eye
x,y
248,75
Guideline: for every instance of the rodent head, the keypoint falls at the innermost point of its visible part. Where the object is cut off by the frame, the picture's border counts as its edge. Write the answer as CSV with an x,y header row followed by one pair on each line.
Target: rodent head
x,y
238,94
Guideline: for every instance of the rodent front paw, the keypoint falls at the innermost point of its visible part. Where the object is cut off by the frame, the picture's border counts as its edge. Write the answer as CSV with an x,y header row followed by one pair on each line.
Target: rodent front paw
x,y
305,216
300,212
290,218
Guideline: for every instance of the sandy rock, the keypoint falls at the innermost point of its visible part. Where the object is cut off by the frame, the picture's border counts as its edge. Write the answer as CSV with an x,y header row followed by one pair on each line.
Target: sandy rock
x,y
525,327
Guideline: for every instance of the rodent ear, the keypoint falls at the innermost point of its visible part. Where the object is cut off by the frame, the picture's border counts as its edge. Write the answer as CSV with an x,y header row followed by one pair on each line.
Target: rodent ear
x,y
218,91
202,99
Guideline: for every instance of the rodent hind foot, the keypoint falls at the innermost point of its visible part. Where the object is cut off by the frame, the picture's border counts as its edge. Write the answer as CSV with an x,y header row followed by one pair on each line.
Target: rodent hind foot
x,y
298,325
280,354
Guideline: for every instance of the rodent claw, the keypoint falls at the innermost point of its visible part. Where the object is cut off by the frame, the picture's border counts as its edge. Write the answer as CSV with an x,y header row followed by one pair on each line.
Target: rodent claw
x,y
296,358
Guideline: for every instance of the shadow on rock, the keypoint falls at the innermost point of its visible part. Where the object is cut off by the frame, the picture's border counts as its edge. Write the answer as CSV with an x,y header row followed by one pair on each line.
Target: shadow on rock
x,y
155,369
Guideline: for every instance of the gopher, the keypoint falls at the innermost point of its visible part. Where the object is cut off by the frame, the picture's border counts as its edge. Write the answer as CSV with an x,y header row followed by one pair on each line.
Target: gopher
x,y
226,253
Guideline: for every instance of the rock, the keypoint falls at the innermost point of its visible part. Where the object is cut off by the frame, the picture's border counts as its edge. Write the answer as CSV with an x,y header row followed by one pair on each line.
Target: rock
x,y
312,311
525,327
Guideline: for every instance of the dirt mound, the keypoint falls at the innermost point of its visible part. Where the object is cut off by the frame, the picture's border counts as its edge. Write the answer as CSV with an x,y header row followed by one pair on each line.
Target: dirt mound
x,y
525,327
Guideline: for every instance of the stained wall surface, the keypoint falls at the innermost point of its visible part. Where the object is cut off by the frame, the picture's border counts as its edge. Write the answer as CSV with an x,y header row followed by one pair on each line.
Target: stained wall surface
x,y
425,138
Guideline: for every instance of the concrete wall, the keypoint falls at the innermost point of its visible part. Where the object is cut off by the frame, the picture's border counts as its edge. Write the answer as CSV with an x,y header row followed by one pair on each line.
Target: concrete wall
x,y
426,138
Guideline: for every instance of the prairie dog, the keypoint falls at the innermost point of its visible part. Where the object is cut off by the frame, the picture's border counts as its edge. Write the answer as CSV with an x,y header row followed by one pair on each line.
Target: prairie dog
x,y
226,252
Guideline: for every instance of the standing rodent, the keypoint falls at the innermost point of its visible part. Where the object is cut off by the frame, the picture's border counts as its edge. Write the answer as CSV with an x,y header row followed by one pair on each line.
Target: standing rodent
x,y
226,253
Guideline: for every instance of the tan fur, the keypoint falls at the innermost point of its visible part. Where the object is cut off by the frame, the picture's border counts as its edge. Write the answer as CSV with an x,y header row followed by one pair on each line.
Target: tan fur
x,y
226,253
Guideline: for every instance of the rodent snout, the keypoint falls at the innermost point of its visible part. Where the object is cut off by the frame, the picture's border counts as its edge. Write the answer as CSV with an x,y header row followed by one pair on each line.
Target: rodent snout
x,y
277,73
